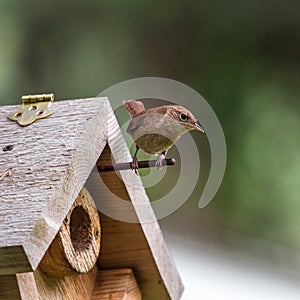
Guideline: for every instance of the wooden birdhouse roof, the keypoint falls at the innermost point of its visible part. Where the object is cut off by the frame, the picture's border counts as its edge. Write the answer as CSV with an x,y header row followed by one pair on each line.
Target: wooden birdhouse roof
x,y
45,165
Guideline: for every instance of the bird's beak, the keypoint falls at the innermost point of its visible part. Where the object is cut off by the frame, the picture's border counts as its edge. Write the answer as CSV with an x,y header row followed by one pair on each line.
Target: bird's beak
x,y
198,127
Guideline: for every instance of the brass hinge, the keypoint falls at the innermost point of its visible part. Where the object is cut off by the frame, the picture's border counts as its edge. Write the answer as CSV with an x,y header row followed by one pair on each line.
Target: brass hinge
x,y
33,107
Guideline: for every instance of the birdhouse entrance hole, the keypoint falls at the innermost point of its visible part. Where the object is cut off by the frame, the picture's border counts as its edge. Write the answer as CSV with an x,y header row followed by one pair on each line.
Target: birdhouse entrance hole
x,y
80,229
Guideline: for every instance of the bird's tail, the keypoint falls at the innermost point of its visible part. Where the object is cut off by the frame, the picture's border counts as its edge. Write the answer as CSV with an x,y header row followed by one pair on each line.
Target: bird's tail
x,y
134,107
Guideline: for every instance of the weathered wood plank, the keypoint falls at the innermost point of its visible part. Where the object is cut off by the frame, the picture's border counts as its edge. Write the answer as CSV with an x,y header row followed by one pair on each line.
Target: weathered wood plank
x,y
27,286
8,257
50,161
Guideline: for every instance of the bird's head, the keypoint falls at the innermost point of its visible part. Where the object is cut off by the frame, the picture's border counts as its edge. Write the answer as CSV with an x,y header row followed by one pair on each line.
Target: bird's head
x,y
184,117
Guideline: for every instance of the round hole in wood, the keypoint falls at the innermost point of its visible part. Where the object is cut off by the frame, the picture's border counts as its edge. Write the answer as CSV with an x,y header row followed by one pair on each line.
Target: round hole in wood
x,y
80,229
76,247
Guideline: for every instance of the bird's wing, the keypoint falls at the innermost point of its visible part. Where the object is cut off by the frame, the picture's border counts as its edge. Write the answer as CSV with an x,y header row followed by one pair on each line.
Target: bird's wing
x,y
134,124
134,107
146,123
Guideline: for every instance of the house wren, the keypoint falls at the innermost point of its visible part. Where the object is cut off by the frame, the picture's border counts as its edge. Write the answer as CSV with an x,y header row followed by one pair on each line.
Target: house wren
x,y
155,130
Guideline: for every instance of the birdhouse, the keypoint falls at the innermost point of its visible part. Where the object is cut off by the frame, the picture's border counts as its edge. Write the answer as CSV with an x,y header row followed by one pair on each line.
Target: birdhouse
x,y
63,234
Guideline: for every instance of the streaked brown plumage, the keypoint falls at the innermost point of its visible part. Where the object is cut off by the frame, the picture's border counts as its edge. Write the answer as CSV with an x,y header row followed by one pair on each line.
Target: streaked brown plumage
x,y
155,130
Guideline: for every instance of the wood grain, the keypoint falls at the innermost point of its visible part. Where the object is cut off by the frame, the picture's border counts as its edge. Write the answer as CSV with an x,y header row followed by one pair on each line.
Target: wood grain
x,y
119,284
9,287
38,286
27,286
66,288
135,245
50,161
75,249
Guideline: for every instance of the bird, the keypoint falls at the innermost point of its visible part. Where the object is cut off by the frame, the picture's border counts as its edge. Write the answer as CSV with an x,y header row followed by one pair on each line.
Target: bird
x,y
156,130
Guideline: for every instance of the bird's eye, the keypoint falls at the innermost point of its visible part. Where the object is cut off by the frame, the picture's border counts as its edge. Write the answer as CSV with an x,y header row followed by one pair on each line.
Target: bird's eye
x,y
183,117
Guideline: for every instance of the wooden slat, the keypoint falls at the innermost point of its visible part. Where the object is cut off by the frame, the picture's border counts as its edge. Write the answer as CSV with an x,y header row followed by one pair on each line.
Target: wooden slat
x,y
27,286
118,284
13,260
37,285
66,288
9,287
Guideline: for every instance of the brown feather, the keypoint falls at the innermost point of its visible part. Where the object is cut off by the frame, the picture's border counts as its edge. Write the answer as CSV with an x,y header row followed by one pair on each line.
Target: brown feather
x,y
134,107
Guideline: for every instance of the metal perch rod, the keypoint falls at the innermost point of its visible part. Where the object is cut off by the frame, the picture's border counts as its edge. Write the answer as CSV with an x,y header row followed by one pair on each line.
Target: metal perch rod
x,y
128,165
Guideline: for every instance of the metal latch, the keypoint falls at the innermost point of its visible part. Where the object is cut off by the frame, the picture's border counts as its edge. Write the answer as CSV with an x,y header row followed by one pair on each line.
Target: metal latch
x,y
33,107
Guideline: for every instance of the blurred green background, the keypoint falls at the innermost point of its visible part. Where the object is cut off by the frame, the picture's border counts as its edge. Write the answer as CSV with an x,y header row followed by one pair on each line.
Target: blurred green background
x,y
241,56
